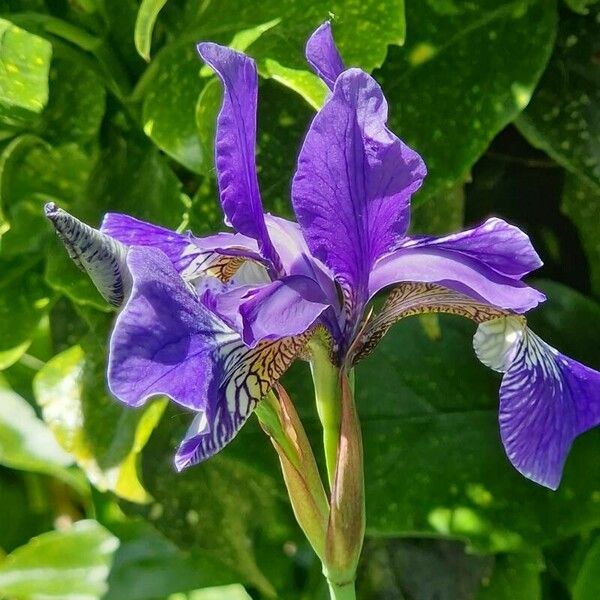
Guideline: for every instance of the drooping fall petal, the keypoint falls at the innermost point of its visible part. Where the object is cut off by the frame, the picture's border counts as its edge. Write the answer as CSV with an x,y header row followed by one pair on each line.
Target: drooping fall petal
x,y
546,398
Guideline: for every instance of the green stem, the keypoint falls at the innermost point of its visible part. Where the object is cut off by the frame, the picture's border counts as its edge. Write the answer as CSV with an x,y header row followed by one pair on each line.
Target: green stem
x,y
341,592
326,378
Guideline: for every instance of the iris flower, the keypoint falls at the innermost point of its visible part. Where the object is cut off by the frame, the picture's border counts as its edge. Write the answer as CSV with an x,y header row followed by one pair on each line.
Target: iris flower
x,y
214,322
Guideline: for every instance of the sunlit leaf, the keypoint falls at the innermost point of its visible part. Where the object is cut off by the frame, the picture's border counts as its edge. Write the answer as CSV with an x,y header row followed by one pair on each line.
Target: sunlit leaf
x,y
144,25
23,74
68,565
104,438
26,443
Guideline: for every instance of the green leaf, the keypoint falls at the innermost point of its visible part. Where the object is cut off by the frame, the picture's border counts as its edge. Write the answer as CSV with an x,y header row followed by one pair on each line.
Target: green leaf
x,y
70,564
129,177
23,74
515,576
169,105
104,437
76,105
231,592
31,173
434,463
24,302
363,30
172,87
581,203
444,214
563,118
144,25
587,583
305,83
445,104
580,6
132,177
63,276
225,509
26,443
11,154
420,568
90,48
147,566
276,34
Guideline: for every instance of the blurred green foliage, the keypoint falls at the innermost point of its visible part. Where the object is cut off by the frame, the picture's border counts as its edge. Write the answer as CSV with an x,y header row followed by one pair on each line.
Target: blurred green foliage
x,y
105,106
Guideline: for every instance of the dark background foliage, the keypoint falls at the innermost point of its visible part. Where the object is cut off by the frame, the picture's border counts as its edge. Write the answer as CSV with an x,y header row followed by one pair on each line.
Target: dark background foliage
x,y
500,97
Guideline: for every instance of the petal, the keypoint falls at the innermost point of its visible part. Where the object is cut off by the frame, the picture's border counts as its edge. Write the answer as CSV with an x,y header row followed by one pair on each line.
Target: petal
x,y
192,257
287,307
546,399
352,188
496,243
166,342
250,373
296,257
410,298
323,56
132,232
100,256
235,144
457,271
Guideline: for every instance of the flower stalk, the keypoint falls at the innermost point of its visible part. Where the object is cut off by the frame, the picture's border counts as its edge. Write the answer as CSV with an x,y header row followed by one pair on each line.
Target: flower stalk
x,y
326,380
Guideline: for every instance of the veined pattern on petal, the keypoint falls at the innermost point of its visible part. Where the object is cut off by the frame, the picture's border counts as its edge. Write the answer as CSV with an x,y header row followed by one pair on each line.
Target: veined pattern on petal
x,y
546,399
224,267
248,374
100,256
413,298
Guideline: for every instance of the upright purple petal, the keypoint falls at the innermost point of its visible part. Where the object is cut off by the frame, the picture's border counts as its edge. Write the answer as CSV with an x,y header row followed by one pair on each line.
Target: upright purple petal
x,y
235,144
457,271
496,243
323,56
352,188
546,399
286,307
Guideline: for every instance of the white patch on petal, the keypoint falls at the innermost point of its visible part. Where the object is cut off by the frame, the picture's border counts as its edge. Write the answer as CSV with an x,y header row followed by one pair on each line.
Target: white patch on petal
x,y
198,426
496,342
250,273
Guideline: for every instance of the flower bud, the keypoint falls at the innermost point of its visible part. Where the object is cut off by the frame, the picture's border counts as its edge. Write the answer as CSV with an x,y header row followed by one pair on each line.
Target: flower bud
x,y
346,526
280,421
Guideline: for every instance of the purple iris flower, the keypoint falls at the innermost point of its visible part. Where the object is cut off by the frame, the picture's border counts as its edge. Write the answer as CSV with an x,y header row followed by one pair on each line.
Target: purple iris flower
x,y
214,322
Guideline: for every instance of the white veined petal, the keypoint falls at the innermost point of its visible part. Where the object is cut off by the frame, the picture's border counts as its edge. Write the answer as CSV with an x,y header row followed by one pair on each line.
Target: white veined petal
x,y
497,341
